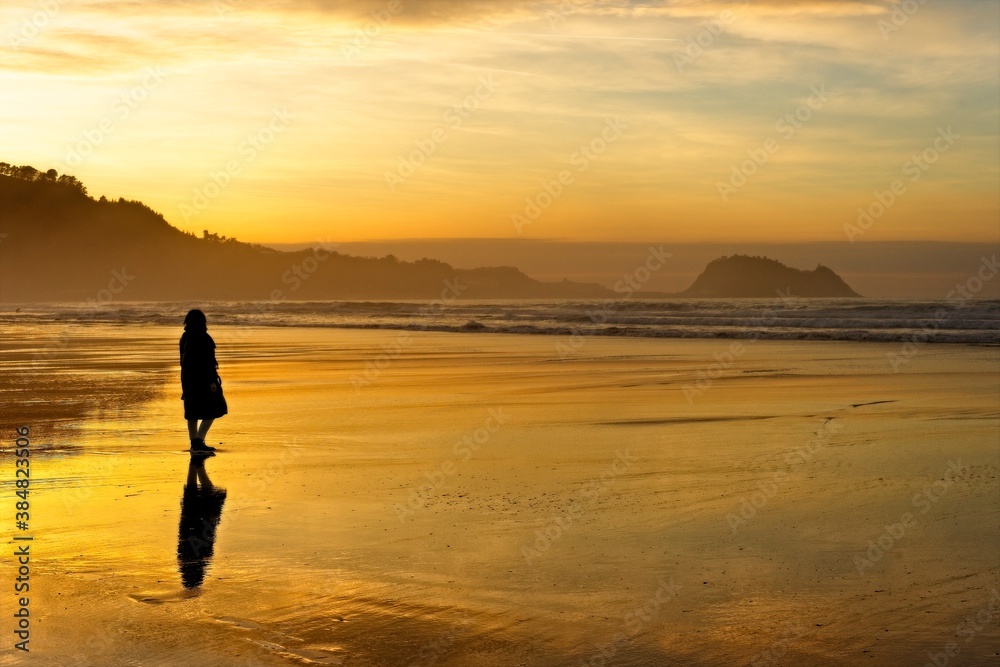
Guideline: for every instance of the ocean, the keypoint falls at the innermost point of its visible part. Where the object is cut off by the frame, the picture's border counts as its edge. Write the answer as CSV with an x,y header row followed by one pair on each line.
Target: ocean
x,y
877,320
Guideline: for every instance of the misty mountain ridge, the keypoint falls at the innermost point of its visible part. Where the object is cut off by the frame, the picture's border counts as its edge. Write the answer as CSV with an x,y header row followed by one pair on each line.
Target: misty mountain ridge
x,y
59,244
62,245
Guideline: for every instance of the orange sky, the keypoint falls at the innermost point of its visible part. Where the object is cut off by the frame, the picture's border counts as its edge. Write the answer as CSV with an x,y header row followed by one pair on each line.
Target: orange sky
x,y
576,119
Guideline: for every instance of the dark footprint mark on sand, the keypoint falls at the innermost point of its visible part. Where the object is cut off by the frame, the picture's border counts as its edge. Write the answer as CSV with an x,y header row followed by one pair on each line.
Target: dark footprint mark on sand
x,y
161,598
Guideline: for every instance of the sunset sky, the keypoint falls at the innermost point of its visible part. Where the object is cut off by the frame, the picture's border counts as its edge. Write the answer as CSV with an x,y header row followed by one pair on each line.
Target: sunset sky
x,y
338,120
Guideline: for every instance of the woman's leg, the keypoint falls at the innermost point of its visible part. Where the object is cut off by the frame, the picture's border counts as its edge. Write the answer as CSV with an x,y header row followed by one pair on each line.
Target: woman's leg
x,y
193,428
203,429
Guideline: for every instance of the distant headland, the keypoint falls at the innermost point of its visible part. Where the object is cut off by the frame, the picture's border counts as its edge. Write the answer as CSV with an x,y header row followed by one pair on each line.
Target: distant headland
x,y
743,276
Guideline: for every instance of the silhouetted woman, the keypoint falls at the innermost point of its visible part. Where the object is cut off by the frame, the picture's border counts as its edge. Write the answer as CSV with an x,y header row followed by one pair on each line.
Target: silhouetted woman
x,y
200,384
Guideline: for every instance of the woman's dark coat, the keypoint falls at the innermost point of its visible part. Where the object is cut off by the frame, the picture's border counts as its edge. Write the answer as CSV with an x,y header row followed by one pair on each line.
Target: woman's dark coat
x,y
198,373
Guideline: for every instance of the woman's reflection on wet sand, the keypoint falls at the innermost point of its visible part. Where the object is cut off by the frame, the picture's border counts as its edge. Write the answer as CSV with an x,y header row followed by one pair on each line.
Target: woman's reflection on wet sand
x,y
201,509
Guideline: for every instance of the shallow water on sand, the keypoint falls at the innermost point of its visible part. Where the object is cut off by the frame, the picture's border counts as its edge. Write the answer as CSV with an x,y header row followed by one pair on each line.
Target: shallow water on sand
x,y
421,498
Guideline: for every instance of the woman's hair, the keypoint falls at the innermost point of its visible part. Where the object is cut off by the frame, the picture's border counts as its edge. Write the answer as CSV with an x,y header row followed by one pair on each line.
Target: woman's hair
x,y
195,321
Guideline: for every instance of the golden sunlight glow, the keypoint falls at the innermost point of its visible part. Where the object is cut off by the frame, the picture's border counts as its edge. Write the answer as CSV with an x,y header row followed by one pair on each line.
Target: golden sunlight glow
x,y
592,119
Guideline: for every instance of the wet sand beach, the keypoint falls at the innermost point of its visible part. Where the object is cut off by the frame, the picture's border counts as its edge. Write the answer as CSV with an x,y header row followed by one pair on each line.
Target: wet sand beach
x,y
421,498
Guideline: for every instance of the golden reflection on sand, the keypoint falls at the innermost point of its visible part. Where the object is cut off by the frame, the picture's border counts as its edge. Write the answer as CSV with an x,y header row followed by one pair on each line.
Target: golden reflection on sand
x,y
482,500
